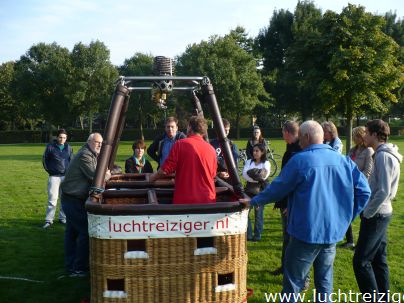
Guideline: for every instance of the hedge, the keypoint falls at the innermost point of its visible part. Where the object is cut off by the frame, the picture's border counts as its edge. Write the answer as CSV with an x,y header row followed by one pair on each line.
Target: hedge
x,y
78,135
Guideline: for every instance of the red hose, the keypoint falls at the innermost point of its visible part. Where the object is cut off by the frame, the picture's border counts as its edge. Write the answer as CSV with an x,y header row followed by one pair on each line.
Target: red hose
x,y
250,292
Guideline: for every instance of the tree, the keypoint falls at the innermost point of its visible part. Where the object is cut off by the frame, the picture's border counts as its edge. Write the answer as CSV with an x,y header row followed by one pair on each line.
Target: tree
x,y
39,84
93,80
303,68
231,69
240,36
271,45
288,61
140,105
273,41
9,113
362,63
395,29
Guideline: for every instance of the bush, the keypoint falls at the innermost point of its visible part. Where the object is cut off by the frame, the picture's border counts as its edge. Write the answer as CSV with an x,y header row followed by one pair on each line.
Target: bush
x,y
78,135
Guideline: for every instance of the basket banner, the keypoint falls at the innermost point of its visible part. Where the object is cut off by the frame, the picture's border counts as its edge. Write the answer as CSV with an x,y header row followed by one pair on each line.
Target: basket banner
x,y
167,226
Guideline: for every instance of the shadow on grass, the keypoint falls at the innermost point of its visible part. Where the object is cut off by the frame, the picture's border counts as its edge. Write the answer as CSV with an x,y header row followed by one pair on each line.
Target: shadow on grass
x,y
30,252
20,158
267,283
66,290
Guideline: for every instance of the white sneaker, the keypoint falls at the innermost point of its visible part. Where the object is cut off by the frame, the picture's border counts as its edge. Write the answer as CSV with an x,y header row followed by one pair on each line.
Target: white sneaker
x,y
78,274
47,225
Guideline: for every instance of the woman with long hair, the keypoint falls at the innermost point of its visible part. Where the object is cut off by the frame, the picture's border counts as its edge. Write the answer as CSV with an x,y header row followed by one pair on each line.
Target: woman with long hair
x,y
256,138
362,156
331,136
256,172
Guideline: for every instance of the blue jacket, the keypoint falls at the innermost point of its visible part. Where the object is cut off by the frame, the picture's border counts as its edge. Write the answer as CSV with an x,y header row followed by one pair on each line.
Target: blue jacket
x,y
56,161
156,148
326,192
336,144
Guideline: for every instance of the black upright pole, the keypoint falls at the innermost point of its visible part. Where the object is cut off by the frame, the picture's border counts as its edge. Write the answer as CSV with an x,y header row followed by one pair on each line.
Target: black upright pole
x,y
117,138
197,105
111,127
210,99
198,111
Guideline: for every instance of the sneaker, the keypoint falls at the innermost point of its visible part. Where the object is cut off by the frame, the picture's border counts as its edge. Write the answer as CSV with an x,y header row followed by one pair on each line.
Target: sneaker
x,y
47,225
348,245
306,284
62,221
277,271
78,274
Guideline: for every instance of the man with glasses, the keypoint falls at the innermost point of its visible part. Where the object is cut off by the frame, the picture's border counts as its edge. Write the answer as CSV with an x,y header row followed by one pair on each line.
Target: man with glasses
x,y
75,188
55,160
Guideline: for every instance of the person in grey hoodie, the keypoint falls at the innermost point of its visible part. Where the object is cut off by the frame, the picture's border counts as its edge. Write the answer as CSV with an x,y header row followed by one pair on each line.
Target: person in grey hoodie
x,y
370,258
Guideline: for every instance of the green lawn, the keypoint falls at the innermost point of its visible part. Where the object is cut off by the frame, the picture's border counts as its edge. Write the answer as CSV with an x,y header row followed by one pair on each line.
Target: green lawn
x,y
30,252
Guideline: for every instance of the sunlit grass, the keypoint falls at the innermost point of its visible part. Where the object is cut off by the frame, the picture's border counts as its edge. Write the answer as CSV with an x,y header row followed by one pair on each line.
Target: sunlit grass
x,y
28,251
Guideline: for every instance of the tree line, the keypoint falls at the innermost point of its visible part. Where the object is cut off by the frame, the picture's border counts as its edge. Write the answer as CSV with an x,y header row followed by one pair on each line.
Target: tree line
x,y
303,64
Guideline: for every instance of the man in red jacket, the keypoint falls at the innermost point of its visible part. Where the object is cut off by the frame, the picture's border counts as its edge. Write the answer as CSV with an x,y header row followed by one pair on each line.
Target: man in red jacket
x,y
194,162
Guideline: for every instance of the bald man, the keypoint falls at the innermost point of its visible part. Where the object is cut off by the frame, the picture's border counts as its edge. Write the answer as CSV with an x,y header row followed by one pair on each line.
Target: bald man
x,y
326,191
75,188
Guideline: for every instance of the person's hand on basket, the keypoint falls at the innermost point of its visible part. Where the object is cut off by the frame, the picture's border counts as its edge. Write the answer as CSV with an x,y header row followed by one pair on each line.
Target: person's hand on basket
x,y
157,175
245,202
223,175
107,175
153,177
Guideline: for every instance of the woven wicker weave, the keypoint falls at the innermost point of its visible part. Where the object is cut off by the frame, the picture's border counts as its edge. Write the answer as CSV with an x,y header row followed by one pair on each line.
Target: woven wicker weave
x,y
172,273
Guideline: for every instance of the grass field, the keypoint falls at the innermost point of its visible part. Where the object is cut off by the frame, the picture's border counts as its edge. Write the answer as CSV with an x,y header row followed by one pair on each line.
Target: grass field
x,y
29,252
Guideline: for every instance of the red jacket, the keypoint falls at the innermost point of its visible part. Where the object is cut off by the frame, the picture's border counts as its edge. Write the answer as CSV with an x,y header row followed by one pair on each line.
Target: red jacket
x,y
194,162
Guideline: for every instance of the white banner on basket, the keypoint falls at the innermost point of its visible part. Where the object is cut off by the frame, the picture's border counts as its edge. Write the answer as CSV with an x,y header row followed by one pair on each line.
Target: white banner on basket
x,y
167,226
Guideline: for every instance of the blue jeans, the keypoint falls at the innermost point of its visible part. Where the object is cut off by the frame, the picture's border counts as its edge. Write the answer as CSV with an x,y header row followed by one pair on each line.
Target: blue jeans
x,y
76,234
299,257
258,223
370,258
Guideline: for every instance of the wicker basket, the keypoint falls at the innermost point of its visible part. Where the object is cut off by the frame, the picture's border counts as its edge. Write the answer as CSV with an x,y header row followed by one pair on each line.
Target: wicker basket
x,y
172,273
166,269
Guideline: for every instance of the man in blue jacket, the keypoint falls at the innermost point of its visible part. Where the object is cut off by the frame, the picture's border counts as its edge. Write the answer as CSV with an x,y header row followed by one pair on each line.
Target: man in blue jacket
x,y
55,160
161,146
326,191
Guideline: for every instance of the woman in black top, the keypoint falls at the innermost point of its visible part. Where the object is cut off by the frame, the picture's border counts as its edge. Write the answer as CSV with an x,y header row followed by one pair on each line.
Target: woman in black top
x,y
138,163
256,138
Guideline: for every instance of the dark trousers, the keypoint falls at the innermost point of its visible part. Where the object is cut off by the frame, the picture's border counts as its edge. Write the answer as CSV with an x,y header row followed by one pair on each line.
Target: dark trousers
x,y
76,234
285,235
370,258
349,234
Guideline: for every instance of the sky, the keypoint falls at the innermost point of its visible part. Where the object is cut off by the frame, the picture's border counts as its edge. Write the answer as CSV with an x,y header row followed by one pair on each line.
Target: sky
x,y
156,27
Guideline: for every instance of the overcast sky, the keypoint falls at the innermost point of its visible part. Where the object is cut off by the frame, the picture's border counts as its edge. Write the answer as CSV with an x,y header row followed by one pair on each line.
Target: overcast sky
x,y
153,26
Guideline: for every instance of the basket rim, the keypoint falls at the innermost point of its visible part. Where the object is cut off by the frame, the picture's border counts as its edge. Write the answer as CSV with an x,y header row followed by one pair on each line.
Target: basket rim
x,y
159,209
